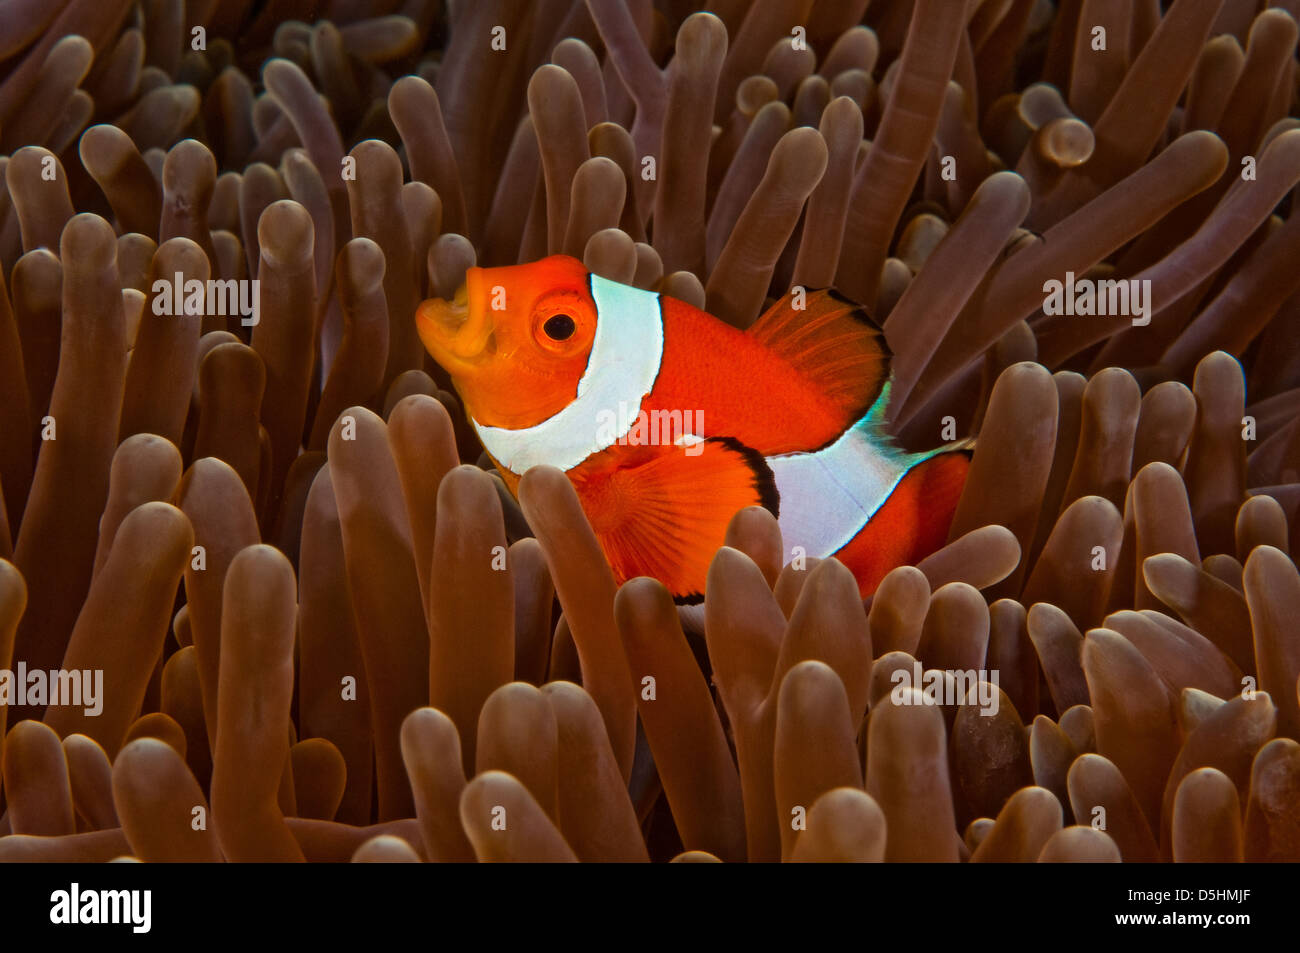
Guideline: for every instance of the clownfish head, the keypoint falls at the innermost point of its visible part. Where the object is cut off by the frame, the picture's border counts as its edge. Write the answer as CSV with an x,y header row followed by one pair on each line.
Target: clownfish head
x,y
515,340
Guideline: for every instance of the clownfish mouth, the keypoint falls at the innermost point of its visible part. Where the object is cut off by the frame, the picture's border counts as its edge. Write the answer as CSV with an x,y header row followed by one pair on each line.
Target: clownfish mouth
x,y
458,333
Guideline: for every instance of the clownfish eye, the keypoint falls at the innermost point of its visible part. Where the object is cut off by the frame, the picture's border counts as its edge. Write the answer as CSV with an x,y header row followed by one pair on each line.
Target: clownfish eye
x,y
559,327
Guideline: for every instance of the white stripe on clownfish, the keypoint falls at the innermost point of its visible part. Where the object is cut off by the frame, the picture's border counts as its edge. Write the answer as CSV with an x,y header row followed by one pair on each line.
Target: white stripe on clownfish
x,y
828,496
626,354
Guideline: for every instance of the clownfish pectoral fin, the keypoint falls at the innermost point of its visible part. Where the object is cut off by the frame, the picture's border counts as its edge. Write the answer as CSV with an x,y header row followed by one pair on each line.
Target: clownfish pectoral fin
x,y
832,343
663,511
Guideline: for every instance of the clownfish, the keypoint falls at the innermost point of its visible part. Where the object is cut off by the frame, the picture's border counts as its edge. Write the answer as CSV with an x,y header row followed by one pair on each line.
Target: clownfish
x,y
667,420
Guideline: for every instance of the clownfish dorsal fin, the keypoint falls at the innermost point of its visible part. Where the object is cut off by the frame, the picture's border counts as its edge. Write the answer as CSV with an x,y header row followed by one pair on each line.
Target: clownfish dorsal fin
x,y
832,342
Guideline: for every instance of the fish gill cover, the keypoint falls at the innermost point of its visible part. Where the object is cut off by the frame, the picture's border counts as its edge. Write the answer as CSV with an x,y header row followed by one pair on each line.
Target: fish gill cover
x,y
261,599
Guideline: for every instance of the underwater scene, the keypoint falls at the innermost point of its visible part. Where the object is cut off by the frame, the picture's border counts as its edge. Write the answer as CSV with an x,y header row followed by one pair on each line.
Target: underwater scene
x,y
647,430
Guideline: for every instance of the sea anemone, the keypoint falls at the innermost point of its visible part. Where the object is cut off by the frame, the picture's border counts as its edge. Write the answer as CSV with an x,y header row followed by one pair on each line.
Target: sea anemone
x,y
325,627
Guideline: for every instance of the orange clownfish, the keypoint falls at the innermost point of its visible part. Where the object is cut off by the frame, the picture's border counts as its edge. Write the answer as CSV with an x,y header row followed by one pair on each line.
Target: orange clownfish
x,y
667,420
